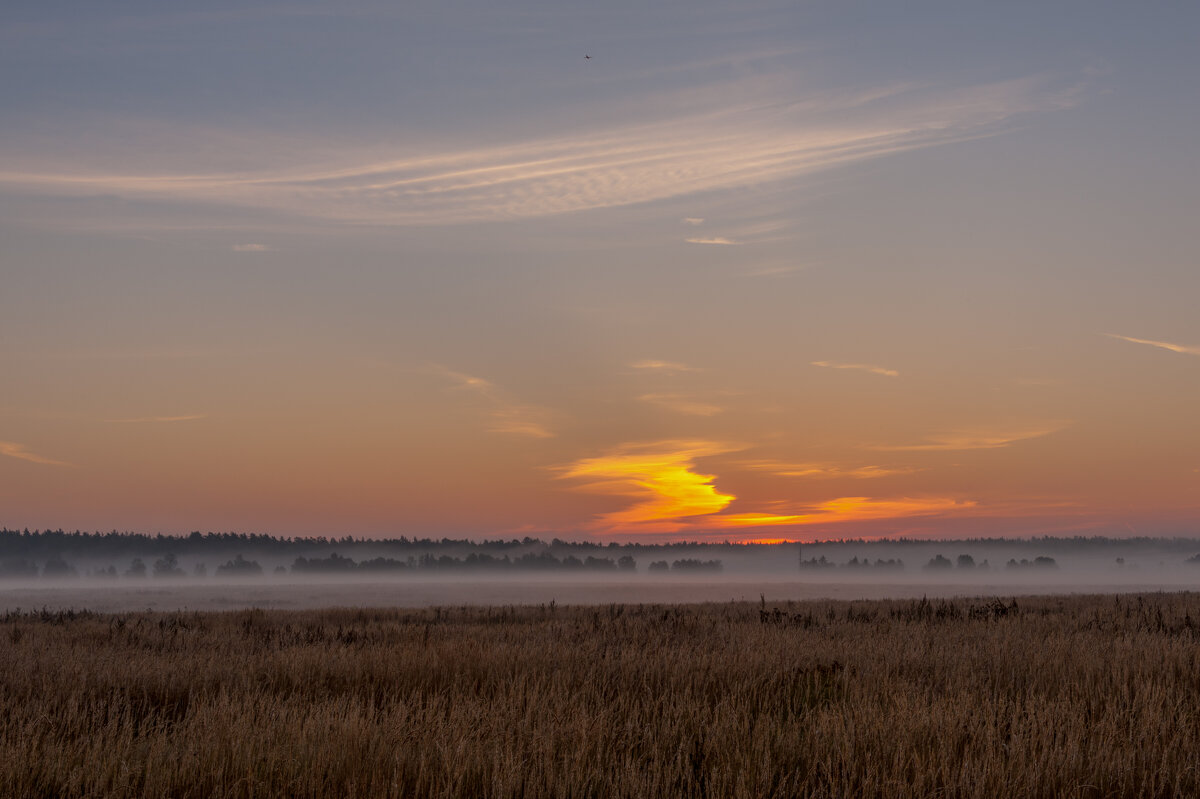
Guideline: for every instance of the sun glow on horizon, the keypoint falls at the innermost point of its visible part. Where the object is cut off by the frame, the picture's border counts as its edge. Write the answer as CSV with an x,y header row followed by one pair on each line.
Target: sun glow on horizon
x,y
768,541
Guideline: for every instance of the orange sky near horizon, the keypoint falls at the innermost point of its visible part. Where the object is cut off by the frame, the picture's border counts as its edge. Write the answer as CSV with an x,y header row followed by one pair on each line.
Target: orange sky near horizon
x,y
463,457
765,272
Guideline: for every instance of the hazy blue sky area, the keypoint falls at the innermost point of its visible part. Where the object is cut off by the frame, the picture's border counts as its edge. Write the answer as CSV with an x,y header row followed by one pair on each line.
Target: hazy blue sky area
x,y
416,267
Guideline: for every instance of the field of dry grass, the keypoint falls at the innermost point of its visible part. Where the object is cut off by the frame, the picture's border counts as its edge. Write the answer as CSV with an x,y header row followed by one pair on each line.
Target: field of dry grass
x,y
1065,696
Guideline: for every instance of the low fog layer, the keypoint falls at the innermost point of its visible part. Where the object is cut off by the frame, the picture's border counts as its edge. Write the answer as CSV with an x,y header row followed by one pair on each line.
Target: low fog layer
x,y
124,573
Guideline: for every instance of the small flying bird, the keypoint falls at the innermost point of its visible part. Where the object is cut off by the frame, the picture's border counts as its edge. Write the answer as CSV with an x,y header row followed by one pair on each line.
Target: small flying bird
x,y
588,57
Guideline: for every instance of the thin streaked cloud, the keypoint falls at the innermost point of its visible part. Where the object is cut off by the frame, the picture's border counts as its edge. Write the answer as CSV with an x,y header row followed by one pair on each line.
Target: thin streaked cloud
x,y
465,380
519,420
623,165
772,270
681,403
823,470
504,415
189,418
1183,349
718,240
861,367
651,365
974,439
251,248
751,231
694,221
848,509
12,449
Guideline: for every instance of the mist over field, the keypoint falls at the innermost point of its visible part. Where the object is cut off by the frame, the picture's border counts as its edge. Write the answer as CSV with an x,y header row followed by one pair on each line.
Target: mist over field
x,y
128,573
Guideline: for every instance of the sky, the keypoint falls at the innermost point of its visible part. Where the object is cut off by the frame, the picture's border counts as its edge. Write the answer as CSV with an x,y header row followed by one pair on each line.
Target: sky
x,y
621,271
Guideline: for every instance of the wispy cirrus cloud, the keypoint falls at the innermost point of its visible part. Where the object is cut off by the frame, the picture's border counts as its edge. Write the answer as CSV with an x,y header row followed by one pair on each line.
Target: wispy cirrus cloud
x,y
519,420
718,240
20,452
735,233
823,470
189,418
772,140
862,367
504,415
251,248
465,380
651,365
1162,345
975,439
772,270
681,403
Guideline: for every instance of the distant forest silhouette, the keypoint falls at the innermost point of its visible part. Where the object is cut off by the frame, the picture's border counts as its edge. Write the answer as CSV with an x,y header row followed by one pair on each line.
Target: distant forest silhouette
x,y
56,553
21,550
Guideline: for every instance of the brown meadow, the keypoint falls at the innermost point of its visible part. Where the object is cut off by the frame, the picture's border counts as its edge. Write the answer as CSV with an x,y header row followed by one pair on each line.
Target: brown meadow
x,y
1062,696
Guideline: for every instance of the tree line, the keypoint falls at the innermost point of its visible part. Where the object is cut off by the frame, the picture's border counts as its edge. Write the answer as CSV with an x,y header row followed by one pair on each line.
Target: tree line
x,y
168,565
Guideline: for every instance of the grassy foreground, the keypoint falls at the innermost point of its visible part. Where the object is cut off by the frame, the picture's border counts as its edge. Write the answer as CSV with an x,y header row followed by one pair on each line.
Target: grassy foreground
x,y
1080,696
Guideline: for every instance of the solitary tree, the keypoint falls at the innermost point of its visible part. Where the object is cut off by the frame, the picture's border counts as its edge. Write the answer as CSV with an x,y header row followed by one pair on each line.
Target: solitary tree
x,y
167,566
57,567
938,562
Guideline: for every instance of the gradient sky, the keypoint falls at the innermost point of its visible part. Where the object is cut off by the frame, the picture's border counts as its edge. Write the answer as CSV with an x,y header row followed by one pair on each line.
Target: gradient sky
x,y
751,271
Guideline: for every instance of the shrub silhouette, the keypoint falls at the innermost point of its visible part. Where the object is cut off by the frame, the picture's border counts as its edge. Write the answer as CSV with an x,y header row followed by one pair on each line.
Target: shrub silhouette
x,y
938,562
334,563
167,566
240,567
693,564
1040,562
57,567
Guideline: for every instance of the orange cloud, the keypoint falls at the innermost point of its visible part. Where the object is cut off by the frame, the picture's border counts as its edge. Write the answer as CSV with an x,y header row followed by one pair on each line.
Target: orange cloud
x,y
846,509
189,418
860,508
682,404
752,520
663,366
862,367
672,496
661,476
820,470
720,240
519,420
1183,349
974,439
506,416
15,450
